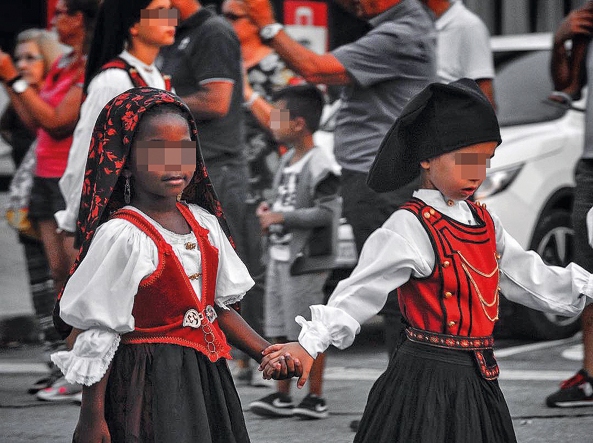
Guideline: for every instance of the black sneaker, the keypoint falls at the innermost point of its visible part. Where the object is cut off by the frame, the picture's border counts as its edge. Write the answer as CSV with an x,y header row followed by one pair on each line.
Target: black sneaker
x,y
576,391
312,406
273,405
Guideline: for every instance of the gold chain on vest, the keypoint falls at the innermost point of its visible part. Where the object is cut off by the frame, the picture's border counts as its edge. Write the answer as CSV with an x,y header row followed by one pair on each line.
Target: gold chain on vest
x,y
483,302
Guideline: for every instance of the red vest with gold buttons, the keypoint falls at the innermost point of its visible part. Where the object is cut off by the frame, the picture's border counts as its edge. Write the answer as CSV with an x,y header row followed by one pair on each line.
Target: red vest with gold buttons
x,y
166,307
461,295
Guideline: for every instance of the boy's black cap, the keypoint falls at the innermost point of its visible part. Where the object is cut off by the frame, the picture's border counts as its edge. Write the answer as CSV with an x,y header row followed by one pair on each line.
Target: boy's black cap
x,y
440,119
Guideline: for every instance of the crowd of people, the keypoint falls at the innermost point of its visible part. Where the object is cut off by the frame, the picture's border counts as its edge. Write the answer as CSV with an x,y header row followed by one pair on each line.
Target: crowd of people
x,y
165,242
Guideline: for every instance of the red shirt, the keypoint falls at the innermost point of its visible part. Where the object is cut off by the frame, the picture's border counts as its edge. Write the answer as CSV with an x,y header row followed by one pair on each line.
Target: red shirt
x,y
52,154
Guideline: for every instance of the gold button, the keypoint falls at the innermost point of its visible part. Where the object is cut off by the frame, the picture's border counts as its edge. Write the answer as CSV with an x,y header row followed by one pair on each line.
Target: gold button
x,y
190,245
427,214
448,294
451,324
431,211
497,256
446,263
450,203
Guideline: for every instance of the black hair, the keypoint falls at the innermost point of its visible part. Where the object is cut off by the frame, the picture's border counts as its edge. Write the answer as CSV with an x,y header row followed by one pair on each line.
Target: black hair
x,y
304,101
114,21
161,109
89,10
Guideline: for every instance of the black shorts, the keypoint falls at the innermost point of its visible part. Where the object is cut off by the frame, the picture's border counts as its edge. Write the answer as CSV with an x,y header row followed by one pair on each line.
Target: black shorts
x,y
46,199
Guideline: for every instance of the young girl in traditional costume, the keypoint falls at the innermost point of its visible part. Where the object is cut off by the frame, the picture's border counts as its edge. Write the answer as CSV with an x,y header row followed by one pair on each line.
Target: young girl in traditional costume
x,y
151,292
449,258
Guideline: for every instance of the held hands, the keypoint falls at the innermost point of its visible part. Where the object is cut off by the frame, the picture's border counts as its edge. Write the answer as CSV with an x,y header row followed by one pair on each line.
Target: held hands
x,y
260,12
276,356
7,69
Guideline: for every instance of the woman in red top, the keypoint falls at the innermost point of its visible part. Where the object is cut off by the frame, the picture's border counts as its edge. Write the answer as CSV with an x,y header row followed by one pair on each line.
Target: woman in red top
x,y
53,112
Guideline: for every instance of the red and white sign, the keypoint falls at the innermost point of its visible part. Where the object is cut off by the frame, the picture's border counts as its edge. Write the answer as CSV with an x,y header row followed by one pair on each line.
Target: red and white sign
x,y
306,22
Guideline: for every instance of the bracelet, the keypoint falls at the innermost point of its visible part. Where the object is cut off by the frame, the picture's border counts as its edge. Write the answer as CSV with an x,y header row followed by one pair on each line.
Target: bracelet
x,y
253,97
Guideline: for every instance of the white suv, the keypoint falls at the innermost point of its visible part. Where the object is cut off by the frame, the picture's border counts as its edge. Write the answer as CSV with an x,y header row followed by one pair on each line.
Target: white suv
x,y
530,183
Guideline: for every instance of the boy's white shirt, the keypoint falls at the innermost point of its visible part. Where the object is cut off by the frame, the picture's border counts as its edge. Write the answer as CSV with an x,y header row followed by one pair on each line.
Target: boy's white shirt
x,y
105,86
123,255
401,248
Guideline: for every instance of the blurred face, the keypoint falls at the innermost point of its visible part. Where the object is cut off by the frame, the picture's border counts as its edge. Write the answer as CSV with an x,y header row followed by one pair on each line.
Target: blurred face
x,y
157,24
280,123
458,174
29,62
68,25
234,12
163,157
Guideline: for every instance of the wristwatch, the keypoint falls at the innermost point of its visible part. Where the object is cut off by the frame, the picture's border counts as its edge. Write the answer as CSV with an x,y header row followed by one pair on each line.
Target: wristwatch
x,y
18,84
268,32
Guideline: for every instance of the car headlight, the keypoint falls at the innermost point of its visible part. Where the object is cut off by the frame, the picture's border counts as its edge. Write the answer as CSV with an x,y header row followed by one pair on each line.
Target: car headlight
x,y
497,181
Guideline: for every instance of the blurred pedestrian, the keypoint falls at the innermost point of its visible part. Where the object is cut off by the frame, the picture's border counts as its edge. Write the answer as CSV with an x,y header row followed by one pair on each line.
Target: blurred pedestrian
x,y
301,225
35,52
265,74
463,45
449,259
151,292
578,27
128,37
205,68
53,112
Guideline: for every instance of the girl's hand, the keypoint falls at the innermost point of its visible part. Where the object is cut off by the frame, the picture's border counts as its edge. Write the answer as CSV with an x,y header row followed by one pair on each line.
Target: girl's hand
x,y
286,367
91,428
268,218
263,207
271,361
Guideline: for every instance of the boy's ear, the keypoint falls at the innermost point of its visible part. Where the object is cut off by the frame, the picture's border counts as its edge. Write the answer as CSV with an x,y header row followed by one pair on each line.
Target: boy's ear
x,y
299,124
133,31
126,173
425,164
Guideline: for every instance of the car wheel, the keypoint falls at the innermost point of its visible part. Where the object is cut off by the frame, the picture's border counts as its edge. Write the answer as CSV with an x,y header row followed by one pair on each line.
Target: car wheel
x,y
553,242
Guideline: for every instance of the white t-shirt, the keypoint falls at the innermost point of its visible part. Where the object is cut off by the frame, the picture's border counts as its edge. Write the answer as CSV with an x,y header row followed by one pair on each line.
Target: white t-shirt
x,y
105,86
463,45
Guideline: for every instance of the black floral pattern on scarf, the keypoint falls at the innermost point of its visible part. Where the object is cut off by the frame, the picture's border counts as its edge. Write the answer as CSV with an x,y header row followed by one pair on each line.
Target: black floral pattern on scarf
x,y
103,185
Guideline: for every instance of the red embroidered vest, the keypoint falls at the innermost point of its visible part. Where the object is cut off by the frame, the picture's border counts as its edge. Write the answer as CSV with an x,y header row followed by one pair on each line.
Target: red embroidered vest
x,y
461,295
166,307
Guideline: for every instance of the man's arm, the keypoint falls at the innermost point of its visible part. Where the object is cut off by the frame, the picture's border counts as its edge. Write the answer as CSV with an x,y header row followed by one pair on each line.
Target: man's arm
x,y
212,101
313,67
579,22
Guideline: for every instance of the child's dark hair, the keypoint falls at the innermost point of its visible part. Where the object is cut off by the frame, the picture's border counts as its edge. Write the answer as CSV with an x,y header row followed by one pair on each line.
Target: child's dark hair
x,y
114,21
161,109
304,101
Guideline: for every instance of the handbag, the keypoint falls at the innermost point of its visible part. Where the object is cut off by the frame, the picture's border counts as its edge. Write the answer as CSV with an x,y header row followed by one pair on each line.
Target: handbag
x,y
17,208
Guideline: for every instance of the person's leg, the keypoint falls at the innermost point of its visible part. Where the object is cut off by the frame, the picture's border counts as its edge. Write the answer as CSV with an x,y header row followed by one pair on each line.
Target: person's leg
x,y
577,391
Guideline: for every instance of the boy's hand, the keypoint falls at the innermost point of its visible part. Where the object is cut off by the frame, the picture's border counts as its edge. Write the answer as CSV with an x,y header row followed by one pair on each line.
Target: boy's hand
x,y
271,363
260,12
286,367
578,22
268,218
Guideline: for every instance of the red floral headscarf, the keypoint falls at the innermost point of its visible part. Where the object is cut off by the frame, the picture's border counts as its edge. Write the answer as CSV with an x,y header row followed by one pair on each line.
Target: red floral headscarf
x,y
111,143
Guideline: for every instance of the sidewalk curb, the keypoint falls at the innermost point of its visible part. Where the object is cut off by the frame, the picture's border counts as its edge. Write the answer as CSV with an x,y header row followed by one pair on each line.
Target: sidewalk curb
x,y
18,330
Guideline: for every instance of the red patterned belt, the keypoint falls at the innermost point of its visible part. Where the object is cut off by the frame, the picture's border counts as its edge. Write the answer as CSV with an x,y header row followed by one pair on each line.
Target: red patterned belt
x,y
449,341
480,346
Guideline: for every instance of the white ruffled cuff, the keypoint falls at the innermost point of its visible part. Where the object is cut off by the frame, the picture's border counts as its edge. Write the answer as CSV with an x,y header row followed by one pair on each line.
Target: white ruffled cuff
x,y
314,336
90,357
230,300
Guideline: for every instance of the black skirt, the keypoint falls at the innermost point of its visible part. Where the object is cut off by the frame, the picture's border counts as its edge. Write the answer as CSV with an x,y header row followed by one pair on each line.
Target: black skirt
x,y
433,395
161,393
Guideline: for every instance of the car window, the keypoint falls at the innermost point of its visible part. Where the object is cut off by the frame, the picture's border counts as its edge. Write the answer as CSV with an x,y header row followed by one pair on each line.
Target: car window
x,y
521,86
